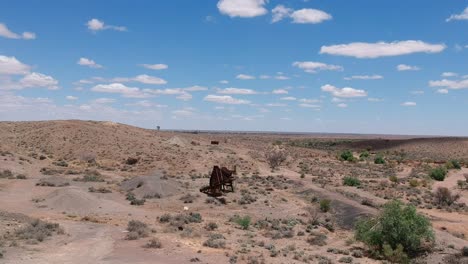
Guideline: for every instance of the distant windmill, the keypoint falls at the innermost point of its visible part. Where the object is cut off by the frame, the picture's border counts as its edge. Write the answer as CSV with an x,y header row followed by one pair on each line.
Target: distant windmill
x,y
158,128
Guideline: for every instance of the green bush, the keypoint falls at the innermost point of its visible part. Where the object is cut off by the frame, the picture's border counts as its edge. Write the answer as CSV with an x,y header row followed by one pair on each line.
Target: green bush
x,y
453,164
364,154
244,222
347,155
438,173
413,183
398,225
396,255
393,178
379,160
351,181
325,205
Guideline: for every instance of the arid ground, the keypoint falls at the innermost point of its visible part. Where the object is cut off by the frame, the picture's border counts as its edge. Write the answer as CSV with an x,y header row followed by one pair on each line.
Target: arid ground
x,y
122,194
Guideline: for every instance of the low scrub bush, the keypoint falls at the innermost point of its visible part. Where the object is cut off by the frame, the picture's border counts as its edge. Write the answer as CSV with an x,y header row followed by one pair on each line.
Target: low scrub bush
x,y
215,241
351,181
38,230
137,229
153,243
379,159
438,173
453,164
443,196
347,155
243,222
398,225
275,156
325,205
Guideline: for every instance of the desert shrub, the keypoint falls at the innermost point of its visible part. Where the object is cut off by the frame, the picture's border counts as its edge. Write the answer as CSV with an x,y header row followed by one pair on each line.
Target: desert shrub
x,y
365,154
133,200
38,230
188,198
215,241
137,229
275,157
351,181
6,174
453,164
243,222
60,163
396,255
414,183
325,205
438,173
317,239
211,226
347,155
99,190
21,177
443,196
152,196
165,218
393,178
397,224
153,243
247,198
379,159
345,260
464,251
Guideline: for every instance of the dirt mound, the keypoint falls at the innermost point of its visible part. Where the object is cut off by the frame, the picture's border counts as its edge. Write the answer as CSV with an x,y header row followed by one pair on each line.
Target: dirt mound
x,y
53,181
151,186
77,201
175,140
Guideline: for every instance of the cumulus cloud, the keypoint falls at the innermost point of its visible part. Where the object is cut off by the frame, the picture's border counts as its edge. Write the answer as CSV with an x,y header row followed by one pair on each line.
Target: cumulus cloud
x,y
35,80
118,88
184,97
7,33
375,100
449,74
224,99
364,77
281,77
310,16
442,91
88,63
288,98
155,66
404,67
71,98
98,25
306,105
245,77
149,79
236,91
242,8
309,101
450,84
364,50
280,12
462,16
346,92
313,67
12,66
408,104
280,91
224,82
104,101
342,105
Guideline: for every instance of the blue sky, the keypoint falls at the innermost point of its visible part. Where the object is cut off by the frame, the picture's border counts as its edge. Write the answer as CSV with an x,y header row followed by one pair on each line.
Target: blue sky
x,y
390,67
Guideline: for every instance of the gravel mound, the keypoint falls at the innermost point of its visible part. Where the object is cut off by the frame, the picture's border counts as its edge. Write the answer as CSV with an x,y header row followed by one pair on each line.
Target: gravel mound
x,y
151,186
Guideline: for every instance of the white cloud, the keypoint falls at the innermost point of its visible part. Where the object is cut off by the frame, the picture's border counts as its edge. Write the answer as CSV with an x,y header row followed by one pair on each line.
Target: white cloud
x,y
224,81
450,84
236,91
12,66
462,16
281,77
245,77
288,98
342,105
183,112
305,105
265,77
375,100
71,98
98,25
224,99
363,50
155,66
364,77
309,101
418,92
185,97
442,91
449,74
280,12
346,92
195,88
149,79
280,91
242,8
35,79
130,92
337,100
313,67
276,105
408,104
404,67
309,16
6,33
104,101
89,63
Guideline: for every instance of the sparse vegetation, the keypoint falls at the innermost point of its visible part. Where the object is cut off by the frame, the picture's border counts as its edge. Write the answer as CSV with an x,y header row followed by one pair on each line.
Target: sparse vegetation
x,y
136,230
443,196
275,156
379,159
38,230
351,181
347,155
215,241
325,205
153,243
398,225
243,222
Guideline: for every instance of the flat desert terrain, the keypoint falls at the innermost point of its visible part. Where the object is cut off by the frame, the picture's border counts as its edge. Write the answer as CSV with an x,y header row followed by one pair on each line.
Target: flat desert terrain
x,y
102,192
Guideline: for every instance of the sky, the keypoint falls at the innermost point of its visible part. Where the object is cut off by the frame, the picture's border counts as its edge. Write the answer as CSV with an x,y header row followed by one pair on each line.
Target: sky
x,y
336,66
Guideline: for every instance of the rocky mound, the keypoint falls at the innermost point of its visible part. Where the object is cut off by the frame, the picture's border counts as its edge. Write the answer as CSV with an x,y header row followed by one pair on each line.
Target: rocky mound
x,y
151,186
